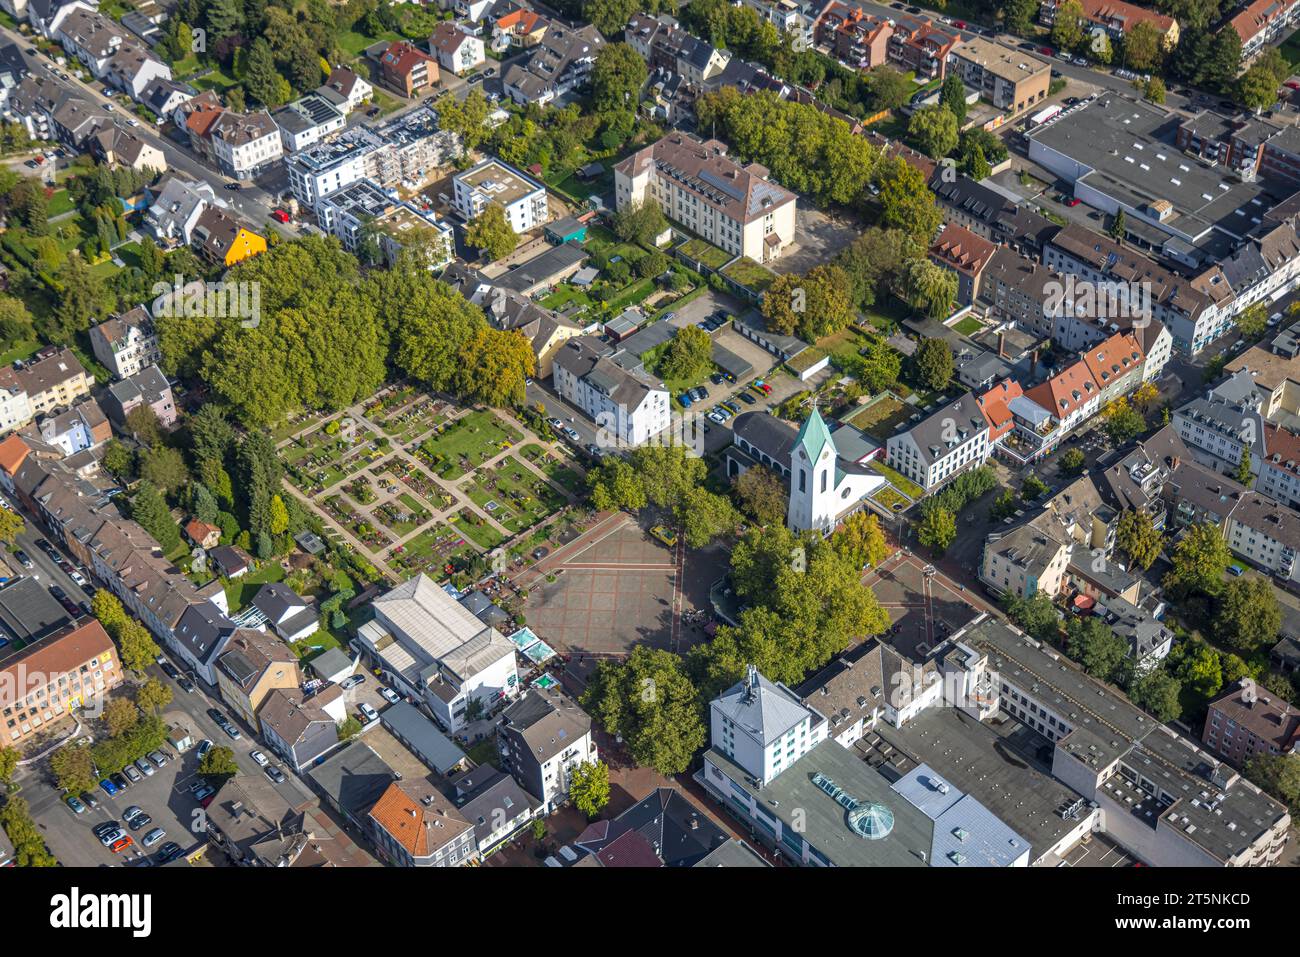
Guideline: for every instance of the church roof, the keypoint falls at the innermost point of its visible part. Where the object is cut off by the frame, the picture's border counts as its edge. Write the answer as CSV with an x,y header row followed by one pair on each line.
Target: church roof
x,y
813,436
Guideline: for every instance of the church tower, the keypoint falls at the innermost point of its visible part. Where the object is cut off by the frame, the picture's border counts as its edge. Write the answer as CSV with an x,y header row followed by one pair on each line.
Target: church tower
x,y
813,478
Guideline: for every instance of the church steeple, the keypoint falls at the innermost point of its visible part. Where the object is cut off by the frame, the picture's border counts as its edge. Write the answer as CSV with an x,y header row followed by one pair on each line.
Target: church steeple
x,y
813,436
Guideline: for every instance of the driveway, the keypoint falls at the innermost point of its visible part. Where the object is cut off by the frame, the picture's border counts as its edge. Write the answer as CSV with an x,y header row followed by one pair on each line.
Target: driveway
x,y
818,238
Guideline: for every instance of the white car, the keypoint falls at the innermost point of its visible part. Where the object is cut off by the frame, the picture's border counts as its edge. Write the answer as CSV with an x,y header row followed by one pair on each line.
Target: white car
x,y
77,577
369,713
260,758
389,695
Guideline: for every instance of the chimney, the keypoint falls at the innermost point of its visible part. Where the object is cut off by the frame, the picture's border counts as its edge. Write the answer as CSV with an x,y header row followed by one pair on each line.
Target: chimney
x,y
1002,344
1033,363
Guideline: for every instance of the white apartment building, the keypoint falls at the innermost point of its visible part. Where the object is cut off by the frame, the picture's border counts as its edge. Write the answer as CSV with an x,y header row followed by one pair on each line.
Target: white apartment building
x,y
458,51
734,207
1277,465
763,727
126,344
307,121
629,408
1266,534
432,648
938,447
15,410
523,199
245,144
541,738
348,212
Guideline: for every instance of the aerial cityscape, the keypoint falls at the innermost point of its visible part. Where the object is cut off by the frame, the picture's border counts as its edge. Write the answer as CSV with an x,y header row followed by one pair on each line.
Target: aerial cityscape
x,y
650,433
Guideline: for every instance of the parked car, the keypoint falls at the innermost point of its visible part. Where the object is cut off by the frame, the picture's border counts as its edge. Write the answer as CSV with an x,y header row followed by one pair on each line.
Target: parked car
x,y
131,812
90,800
233,187
279,215
746,398
232,731
367,712
105,827
109,837
76,805
123,781
204,747
139,821
572,434
24,559
168,852
186,685
203,793
686,400
132,774
158,758
275,774
351,681
108,787
389,695
259,758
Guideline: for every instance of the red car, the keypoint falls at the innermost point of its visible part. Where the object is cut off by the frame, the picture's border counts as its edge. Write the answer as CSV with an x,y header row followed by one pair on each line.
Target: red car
x,y
959,24
122,843
279,215
1046,51
1074,202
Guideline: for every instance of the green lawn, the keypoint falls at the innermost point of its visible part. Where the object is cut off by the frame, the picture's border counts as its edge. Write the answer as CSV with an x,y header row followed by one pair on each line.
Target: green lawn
x,y
19,350
969,326
899,481
484,752
750,274
514,496
356,43
240,591
431,550
484,535
59,204
697,250
466,443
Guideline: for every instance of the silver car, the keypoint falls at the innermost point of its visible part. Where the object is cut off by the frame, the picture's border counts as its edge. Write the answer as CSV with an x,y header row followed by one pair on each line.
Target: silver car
x,y
153,837
145,767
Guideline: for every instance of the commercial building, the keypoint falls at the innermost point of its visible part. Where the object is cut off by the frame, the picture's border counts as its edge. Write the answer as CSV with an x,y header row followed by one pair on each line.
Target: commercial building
x,y
46,680
541,738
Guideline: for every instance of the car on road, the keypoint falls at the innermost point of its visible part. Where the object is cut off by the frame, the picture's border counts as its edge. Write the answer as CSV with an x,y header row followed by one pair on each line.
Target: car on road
x,y
232,731
77,577
476,78
168,852
351,681
109,107
572,434
275,774
153,837
259,758
186,685
204,747
76,805
391,696
367,712
279,215
1073,201
1047,51
233,187
171,671
24,559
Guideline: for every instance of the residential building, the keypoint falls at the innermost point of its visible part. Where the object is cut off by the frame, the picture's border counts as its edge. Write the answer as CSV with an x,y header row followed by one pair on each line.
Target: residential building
x,y
918,44
297,728
1009,78
857,38
1223,425
1276,373
308,120
363,205
346,90
54,378
126,343
122,147
505,310
200,635
962,252
493,182
559,63
518,28
1117,18
111,53
1266,534
626,403
1262,22
1070,398
413,825
252,665
46,680
943,444
695,183
245,145
664,829
458,51
177,205
664,45
495,804
407,70
541,738
1030,559
1276,465
223,240
291,616
1115,365
83,426
1246,721
431,648
148,387
989,214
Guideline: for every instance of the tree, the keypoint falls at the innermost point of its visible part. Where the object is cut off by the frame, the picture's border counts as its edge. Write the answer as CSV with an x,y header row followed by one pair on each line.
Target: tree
x,y
165,468
929,287
1072,462
616,78
1253,320
609,16
952,96
1277,775
889,88
1138,538
589,787
861,540
1157,693
73,768
1247,615
82,300
761,495
493,367
810,306
1153,90
640,222
143,424
153,696
976,165
906,202
937,529
1242,473
279,516
120,716
1200,558
1091,643
1118,227
1036,615
1143,47
219,762
24,835
349,729
1018,16
490,232
933,129
1068,26
9,758
1197,665
149,509
1123,423
934,365
262,79
1257,88
650,702
688,355
615,485
11,526
108,609
704,516
136,646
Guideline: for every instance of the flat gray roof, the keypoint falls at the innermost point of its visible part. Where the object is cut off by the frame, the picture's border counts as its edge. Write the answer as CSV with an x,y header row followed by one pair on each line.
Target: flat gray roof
x,y
422,736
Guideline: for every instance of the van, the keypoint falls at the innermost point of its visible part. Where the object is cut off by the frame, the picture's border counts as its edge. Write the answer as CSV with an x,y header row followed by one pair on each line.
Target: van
x,y
1274,319
552,862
